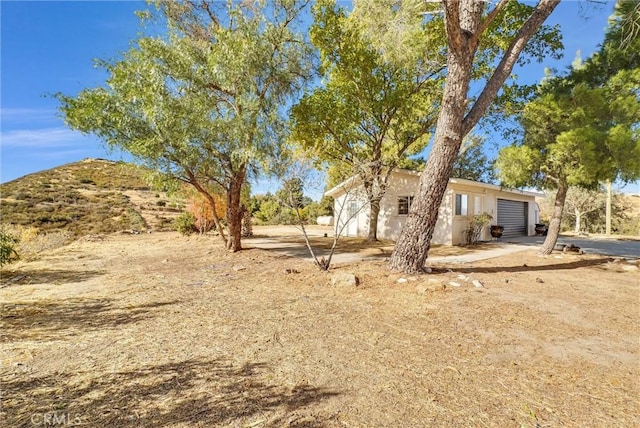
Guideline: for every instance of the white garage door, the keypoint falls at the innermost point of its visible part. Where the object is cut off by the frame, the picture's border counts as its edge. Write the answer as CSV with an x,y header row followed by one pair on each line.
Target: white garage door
x,y
513,216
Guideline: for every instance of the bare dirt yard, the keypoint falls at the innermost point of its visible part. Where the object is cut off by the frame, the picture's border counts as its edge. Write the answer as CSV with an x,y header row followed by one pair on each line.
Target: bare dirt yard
x,y
162,330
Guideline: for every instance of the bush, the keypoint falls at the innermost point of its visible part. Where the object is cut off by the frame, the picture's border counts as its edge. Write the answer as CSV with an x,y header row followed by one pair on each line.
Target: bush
x,y
476,225
185,223
8,244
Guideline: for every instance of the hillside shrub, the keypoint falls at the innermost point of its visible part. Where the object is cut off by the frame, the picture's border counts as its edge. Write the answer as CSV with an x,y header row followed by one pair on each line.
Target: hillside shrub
x,y
8,244
185,223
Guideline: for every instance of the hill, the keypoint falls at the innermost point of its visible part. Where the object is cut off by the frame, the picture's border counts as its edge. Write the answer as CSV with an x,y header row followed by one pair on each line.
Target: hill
x,y
87,197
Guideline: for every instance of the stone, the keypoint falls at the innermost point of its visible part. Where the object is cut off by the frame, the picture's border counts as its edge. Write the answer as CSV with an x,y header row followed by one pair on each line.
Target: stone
x,y
630,268
454,284
539,280
344,279
477,284
402,280
239,268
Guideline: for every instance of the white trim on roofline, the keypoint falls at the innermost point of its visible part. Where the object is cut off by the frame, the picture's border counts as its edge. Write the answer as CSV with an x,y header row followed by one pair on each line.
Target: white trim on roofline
x,y
353,182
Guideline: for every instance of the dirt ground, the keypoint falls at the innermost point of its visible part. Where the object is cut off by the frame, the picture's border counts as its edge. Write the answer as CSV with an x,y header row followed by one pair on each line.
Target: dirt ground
x,y
162,330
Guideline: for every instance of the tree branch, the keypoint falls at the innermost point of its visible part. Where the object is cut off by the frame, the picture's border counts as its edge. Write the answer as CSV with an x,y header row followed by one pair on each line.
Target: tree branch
x,y
495,82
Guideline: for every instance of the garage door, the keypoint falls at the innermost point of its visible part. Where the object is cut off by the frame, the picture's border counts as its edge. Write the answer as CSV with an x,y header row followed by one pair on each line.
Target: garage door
x,y
513,216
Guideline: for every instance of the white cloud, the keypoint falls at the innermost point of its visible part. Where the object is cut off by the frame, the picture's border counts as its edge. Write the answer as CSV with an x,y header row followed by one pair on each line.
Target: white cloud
x,y
45,138
19,115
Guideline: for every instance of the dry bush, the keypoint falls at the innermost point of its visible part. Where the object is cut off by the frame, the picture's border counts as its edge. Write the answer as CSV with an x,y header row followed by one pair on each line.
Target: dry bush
x,y
32,242
201,209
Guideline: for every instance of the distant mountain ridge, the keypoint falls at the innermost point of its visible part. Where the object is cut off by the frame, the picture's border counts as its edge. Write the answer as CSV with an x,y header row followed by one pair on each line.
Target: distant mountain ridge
x,y
87,197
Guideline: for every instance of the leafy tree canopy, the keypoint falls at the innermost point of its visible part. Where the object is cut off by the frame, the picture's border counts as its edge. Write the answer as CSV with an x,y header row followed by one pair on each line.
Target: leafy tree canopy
x,y
203,104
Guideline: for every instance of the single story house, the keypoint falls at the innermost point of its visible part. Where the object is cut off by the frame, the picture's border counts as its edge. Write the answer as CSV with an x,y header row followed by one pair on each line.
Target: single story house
x,y
515,210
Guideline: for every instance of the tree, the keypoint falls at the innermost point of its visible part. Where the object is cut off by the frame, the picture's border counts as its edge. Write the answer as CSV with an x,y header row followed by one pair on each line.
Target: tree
x,y
579,131
581,202
472,162
371,113
8,244
203,105
576,137
469,25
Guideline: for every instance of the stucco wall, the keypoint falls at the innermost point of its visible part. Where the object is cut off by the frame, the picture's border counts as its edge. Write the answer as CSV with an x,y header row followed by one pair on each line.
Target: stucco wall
x,y
449,227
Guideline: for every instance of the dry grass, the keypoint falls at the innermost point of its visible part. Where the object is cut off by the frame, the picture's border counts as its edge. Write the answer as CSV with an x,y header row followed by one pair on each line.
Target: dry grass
x,y
161,330
87,197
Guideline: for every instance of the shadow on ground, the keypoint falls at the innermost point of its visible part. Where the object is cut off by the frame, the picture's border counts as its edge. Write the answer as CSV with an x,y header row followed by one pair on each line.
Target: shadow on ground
x,y
58,320
526,268
47,276
193,392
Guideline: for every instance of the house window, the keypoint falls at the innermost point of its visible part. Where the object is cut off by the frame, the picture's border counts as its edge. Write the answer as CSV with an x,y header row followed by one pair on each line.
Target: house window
x,y
352,209
404,202
462,204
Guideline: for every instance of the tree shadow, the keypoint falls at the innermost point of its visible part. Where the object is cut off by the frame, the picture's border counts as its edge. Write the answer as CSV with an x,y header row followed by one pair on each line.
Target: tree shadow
x,y
526,268
47,276
201,392
58,320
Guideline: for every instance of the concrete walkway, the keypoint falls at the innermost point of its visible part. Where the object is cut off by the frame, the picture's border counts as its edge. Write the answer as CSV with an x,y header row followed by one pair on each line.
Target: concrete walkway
x,y
300,250
629,249
615,247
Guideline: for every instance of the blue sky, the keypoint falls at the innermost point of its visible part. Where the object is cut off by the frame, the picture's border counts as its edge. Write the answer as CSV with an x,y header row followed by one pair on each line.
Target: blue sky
x,y
49,47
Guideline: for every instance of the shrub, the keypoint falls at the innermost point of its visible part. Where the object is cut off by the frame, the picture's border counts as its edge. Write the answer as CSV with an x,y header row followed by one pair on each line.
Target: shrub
x,y
476,225
185,223
8,244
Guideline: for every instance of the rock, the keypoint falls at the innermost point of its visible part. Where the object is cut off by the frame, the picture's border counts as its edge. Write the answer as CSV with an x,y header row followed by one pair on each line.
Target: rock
x,y
630,268
239,268
539,280
463,277
572,249
454,284
428,270
477,284
401,280
344,279
289,271
423,288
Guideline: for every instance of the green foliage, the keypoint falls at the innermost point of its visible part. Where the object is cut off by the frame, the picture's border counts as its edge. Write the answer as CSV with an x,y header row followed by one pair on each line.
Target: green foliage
x,y
202,104
472,162
579,135
291,194
8,244
371,113
185,223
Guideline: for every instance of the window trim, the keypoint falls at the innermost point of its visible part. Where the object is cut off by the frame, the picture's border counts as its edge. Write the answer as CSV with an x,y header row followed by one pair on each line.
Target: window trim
x,y
461,206
402,201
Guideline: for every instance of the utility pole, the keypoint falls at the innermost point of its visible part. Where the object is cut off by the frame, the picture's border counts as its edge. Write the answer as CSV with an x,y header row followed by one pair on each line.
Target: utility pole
x,y
608,210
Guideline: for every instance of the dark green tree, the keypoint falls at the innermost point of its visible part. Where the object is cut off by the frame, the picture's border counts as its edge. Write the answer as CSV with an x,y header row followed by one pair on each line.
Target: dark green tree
x,y
581,129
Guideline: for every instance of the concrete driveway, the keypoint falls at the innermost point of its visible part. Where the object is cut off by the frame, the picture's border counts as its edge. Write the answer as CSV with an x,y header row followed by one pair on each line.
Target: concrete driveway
x,y
271,238
626,248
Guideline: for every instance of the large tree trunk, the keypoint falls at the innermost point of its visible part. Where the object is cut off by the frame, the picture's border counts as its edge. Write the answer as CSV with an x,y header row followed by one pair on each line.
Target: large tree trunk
x,y
235,210
412,248
374,212
464,27
556,218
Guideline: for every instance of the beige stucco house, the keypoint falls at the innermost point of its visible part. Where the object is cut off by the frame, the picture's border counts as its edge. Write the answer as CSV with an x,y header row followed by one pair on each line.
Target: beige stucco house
x,y
515,210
